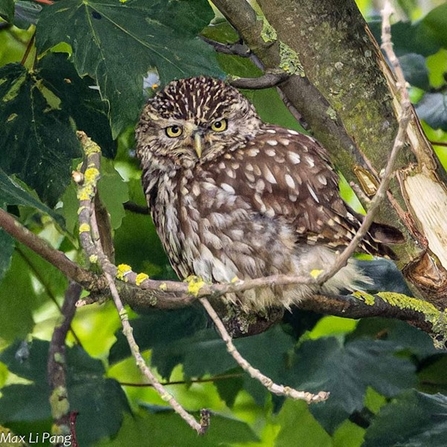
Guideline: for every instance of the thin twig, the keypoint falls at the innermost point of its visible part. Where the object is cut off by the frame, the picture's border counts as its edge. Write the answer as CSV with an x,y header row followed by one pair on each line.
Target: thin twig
x,y
90,241
274,388
59,401
235,49
161,390
267,80
399,143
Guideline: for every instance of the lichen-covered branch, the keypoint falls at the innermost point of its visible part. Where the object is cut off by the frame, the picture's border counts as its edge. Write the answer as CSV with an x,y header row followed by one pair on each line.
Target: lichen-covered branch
x,y
91,243
59,399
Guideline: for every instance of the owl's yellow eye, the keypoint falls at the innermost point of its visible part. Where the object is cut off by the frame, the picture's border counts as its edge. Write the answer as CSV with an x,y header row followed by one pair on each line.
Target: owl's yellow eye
x,y
174,131
219,125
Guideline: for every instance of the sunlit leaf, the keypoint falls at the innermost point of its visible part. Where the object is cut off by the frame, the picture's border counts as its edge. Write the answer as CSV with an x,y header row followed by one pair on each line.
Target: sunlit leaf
x,y
296,423
167,429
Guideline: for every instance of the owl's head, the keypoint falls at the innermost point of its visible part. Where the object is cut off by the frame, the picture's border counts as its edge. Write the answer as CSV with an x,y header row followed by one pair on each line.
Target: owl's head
x,y
193,120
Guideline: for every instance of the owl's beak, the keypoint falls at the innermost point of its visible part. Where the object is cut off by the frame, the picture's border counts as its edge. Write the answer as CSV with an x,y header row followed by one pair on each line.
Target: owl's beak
x,y
198,143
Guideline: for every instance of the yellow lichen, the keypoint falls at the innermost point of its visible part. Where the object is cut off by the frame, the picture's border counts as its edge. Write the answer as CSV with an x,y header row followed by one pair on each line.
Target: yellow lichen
x,y
122,271
91,175
140,278
367,298
290,61
194,285
86,192
406,302
268,33
80,209
163,286
432,315
84,228
59,402
93,259
89,146
315,273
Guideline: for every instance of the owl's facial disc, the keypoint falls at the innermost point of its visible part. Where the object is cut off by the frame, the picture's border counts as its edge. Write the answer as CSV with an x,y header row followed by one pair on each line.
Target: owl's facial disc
x,y
192,140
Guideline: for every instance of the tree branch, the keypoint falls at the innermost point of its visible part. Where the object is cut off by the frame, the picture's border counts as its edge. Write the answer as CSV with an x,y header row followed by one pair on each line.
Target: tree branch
x,y
399,143
274,388
59,401
91,242
44,250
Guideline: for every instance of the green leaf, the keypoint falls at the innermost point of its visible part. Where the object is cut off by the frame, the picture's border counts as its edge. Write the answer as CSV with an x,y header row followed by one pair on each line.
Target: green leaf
x,y
159,327
228,388
147,34
272,109
30,282
297,423
101,403
39,138
436,22
409,37
145,252
412,420
402,334
78,99
346,371
415,70
205,353
6,250
167,429
432,109
432,375
113,191
12,193
7,10
27,360
18,300
26,13
25,403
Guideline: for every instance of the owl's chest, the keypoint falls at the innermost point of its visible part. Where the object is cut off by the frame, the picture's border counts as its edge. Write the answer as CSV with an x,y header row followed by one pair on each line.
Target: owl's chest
x,y
184,203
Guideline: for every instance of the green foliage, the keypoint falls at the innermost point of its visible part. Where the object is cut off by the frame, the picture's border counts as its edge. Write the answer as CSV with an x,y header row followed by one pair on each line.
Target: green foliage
x,y
421,47
36,133
100,402
155,34
413,419
86,71
7,10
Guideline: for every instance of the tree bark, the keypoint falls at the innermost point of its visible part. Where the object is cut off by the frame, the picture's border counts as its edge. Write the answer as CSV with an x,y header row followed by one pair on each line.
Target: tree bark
x,y
346,92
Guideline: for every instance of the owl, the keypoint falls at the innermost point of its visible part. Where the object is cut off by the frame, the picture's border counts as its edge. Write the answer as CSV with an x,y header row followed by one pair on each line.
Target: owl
x,y
233,197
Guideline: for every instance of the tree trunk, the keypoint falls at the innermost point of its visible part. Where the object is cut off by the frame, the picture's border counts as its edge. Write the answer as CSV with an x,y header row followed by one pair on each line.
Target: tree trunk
x,y
345,91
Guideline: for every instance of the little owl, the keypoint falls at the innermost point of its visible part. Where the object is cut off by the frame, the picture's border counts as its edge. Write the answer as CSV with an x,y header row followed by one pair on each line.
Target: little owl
x,y
233,197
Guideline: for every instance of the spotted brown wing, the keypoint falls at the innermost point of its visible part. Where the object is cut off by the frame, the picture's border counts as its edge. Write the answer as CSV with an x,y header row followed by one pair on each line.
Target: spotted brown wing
x,y
287,175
